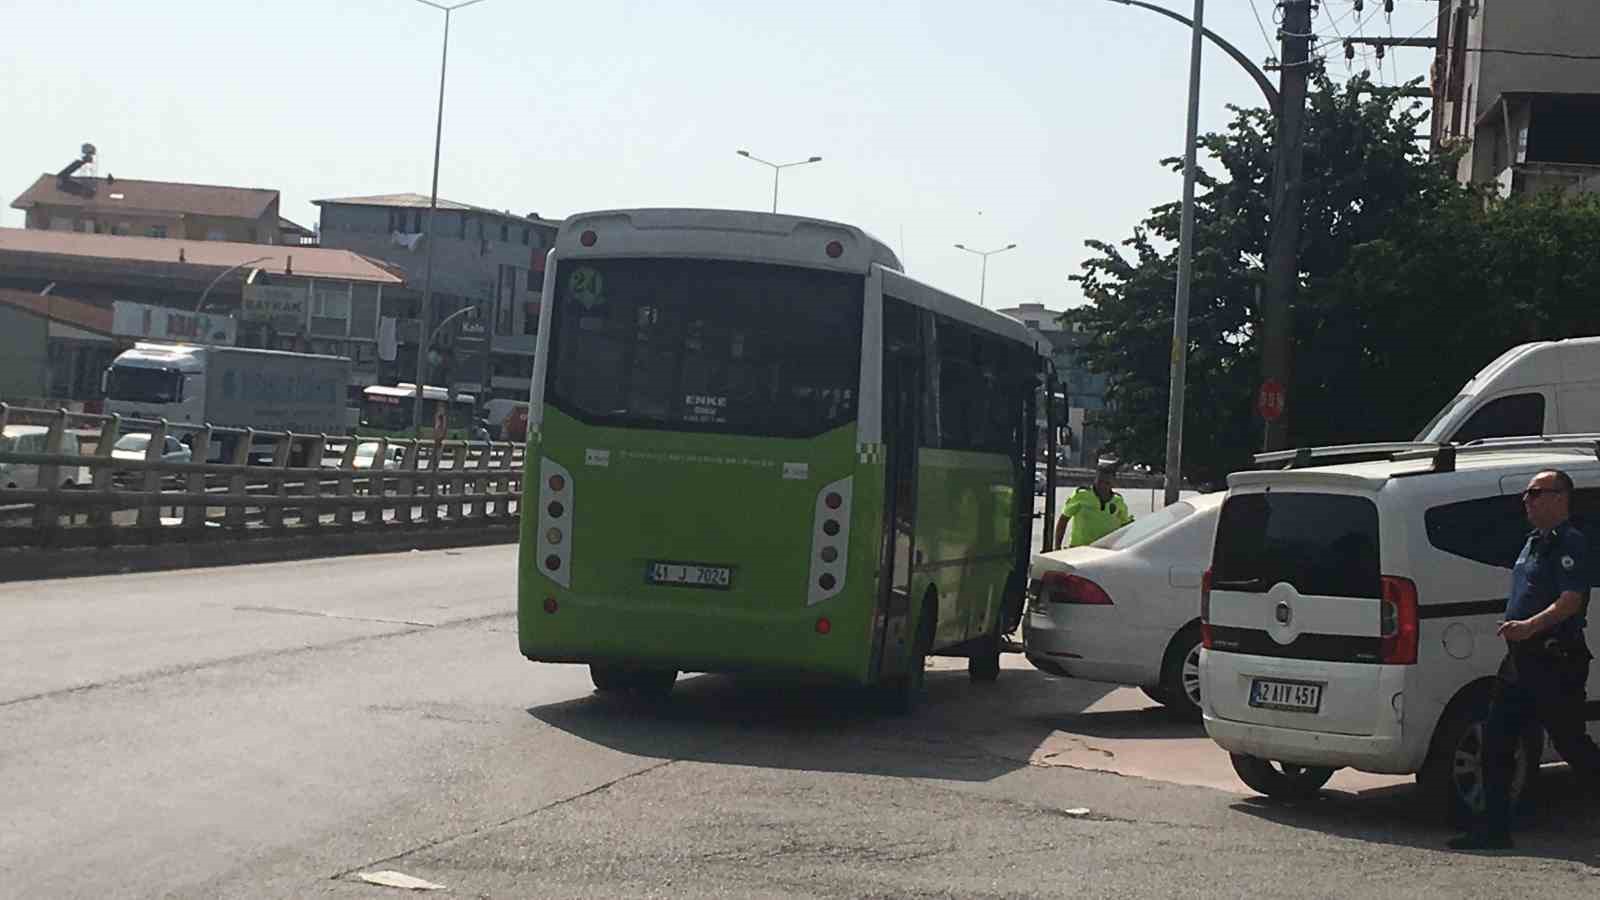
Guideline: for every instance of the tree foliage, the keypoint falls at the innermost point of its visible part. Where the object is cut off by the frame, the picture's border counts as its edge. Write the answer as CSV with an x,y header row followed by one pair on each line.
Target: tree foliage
x,y
1409,284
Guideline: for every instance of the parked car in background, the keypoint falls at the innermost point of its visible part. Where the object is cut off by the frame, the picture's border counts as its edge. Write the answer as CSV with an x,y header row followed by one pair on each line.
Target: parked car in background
x,y
1126,608
136,444
366,457
35,439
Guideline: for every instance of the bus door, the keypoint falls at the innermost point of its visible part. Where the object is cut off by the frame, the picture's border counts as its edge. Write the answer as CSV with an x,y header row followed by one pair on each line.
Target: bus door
x,y
903,376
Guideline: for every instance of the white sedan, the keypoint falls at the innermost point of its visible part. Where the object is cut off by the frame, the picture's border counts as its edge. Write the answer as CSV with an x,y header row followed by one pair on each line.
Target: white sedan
x,y
1126,609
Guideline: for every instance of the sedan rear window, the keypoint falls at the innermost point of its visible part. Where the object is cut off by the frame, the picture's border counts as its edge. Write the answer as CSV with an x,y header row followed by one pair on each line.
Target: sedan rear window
x,y
1146,527
1322,544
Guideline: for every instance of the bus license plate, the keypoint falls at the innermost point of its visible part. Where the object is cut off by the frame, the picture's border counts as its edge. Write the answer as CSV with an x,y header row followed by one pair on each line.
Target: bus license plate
x,y
689,575
1292,696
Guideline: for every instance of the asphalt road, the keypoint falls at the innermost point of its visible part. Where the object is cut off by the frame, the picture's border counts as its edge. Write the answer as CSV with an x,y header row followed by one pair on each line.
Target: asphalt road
x,y
279,730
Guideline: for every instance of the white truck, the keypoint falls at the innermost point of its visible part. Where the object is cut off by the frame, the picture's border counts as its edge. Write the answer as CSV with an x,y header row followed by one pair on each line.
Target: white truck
x,y
230,387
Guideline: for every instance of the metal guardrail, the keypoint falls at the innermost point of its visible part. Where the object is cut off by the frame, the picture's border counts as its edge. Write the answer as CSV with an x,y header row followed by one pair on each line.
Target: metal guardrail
x,y
435,484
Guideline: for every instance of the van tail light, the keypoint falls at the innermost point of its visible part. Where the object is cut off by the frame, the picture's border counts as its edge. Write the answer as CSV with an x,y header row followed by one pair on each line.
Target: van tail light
x,y
1063,587
1400,628
1205,610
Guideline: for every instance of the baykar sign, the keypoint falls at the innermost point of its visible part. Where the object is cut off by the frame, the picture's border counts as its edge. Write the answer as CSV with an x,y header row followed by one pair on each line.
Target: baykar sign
x,y
283,306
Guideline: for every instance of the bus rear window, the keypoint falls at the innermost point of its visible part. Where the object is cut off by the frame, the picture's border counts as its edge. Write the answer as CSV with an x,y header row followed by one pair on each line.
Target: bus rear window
x,y
705,345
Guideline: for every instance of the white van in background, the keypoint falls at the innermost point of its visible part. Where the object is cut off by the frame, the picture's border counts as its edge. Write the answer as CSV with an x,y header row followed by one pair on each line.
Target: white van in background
x,y
1546,387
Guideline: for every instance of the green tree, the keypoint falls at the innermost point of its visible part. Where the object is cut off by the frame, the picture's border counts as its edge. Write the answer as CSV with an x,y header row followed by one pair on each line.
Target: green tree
x,y
1364,172
1444,293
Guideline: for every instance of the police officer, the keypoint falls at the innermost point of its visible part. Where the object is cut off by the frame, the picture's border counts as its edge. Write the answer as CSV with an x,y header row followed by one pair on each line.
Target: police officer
x,y
1546,668
1094,511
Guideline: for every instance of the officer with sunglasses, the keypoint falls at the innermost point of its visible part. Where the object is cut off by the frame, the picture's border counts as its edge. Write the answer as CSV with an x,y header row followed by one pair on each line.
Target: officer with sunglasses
x,y
1546,669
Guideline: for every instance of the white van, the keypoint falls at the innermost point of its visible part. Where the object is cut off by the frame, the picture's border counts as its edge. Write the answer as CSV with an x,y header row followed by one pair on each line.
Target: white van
x,y
35,439
1350,610
1547,387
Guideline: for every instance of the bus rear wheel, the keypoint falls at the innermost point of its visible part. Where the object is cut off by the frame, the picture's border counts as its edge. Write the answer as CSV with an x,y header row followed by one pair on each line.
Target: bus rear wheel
x,y
608,679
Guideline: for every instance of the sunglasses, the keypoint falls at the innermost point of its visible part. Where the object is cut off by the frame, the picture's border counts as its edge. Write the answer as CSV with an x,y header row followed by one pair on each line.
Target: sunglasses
x,y
1532,492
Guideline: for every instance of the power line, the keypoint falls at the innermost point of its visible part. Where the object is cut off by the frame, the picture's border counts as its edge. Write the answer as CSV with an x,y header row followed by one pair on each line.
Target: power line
x,y
1271,50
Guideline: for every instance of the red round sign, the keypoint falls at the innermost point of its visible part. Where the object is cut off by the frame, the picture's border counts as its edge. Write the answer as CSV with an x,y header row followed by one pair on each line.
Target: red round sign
x,y
1269,403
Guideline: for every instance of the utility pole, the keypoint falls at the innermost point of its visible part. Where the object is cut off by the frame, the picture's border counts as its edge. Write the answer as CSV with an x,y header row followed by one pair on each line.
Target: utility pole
x,y
1283,248
1180,313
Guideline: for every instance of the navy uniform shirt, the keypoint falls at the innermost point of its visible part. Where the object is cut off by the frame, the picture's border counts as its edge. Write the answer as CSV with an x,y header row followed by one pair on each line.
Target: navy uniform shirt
x,y
1551,563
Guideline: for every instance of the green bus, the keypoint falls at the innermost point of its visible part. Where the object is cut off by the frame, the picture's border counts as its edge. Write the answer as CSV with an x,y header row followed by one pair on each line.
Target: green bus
x,y
755,445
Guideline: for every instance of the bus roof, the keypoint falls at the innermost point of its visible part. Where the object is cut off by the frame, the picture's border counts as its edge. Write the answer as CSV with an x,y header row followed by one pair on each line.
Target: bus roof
x,y
904,287
723,234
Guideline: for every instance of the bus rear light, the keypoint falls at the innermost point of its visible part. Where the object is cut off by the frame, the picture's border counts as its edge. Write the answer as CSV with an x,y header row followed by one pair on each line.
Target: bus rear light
x,y
824,626
588,238
550,605
556,506
1401,632
835,249
830,541
1064,587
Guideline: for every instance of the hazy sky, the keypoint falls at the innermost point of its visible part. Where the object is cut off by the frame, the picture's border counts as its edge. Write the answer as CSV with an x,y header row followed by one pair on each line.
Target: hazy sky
x,y
1038,123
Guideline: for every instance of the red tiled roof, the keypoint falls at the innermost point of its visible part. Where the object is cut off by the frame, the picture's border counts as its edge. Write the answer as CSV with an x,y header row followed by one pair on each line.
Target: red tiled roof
x,y
131,195
313,262
62,309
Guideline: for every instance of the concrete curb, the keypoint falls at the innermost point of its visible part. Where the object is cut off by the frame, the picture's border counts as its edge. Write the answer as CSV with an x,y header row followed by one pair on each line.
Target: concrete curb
x,y
32,564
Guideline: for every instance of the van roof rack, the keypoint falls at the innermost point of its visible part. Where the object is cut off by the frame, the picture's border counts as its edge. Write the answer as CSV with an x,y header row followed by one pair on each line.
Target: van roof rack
x,y
1302,457
1443,455
1585,442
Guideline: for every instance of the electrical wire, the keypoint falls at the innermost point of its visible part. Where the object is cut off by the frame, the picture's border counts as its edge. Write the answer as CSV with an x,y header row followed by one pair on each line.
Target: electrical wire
x,y
1272,51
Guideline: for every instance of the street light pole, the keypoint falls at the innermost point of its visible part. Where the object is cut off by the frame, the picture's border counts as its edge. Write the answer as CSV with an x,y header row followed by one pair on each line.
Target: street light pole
x,y
426,313
1180,313
983,279
777,168
199,304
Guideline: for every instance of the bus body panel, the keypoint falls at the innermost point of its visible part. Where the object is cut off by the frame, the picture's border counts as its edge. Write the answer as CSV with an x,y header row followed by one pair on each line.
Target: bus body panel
x,y
717,500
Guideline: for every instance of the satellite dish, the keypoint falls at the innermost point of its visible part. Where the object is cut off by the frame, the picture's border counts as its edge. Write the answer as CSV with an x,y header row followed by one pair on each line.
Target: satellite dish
x,y
88,150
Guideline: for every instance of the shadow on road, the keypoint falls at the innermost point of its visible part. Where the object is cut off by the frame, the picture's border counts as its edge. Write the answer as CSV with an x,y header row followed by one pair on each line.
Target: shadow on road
x,y
1151,723
1563,825
962,731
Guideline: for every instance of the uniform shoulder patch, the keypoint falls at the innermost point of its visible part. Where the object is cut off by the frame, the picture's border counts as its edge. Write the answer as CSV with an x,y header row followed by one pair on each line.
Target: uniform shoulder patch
x,y
1568,563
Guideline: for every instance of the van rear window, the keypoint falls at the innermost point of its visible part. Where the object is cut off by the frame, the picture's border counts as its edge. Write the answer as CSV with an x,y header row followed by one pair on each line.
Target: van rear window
x,y
1322,544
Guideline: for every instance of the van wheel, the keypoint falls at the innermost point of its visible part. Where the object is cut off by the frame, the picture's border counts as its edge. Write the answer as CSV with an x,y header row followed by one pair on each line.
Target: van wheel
x,y
904,693
1451,780
1180,675
1280,780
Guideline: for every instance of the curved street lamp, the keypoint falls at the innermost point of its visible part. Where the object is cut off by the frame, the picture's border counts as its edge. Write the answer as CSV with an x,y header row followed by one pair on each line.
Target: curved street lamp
x,y
777,168
199,304
983,280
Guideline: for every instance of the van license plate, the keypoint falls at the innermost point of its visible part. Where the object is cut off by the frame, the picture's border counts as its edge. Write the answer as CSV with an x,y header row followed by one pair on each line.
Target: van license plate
x,y
1292,696
689,575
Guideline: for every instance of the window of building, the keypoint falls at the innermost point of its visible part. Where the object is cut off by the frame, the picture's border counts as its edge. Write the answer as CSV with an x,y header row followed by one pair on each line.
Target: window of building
x,y
215,234
462,232
527,236
505,233
416,221
156,231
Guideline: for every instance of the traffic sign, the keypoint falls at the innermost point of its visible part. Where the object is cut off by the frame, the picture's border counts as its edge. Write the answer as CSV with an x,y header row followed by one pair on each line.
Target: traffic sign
x,y
1270,402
